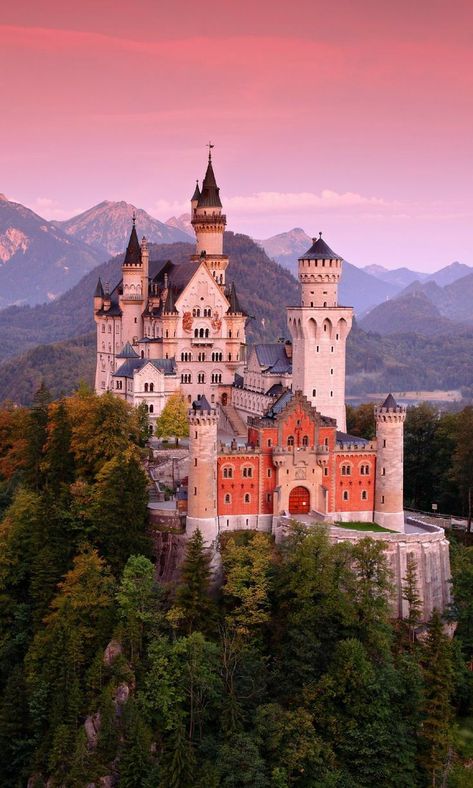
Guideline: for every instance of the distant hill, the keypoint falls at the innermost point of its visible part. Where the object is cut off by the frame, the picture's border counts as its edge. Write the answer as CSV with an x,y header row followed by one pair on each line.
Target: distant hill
x,y
411,312
451,273
286,248
38,261
182,223
425,308
264,288
106,227
399,277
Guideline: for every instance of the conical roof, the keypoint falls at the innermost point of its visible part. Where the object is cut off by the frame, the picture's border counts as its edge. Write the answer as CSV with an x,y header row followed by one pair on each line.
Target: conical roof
x,y
169,306
202,404
196,194
209,196
319,251
127,352
99,289
235,307
389,402
133,250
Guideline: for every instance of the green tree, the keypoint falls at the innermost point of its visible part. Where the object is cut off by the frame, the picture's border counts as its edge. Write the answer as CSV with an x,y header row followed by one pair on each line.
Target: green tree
x,y
360,421
437,712
462,462
137,596
58,463
119,509
36,437
194,608
411,595
173,421
246,570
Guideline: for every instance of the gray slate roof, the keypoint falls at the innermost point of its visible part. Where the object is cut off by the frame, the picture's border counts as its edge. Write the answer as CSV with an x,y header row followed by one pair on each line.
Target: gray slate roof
x,y
273,358
127,352
390,402
166,365
319,251
345,438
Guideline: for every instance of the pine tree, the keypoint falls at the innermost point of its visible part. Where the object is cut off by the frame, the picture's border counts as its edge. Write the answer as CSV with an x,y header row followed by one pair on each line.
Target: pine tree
x,y
437,710
411,595
137,598
58,463
194,608
173,421
37,435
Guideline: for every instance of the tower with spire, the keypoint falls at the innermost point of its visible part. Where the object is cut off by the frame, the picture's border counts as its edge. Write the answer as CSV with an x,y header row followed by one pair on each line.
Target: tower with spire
x,y
389,507
319,328
209,223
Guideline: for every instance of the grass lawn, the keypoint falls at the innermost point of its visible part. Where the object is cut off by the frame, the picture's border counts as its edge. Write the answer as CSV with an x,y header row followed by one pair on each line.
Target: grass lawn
x,y
355,526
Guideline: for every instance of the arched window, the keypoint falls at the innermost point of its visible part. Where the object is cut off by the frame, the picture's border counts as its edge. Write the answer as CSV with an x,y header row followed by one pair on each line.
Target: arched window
x,y
196,333
290,440
201,377
247,498
364,495
346,470
365,470
228,498
346,495
151,408
227,472
151,386
305,440
206,332
248,471
146,387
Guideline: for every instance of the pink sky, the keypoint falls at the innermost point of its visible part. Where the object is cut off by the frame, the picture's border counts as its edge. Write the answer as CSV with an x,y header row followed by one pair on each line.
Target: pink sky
x,y
351,117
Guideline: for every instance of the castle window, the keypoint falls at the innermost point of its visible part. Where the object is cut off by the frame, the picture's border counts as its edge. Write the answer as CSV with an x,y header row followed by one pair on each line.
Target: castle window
x,y
346,470
384,444
206,332
136,319
195,490
383,472
331,349
109,329
248,471
146,387
331,393
227,472
314,392
270,443
326,442
201,377
142,354
269,497
325,471
346,495
270,473
189,398
305,440
228,498
151,386
365,470
151,408
195,462
317,349
364,495
290,440
103,329
325,326
331,371
247,498
382,499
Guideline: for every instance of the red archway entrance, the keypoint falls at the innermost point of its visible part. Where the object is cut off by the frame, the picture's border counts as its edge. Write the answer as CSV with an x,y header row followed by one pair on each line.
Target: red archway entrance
x,y
299,501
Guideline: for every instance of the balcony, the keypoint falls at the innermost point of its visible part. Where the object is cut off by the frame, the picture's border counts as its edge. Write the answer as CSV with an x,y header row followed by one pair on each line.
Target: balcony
x,y
202,341
212,218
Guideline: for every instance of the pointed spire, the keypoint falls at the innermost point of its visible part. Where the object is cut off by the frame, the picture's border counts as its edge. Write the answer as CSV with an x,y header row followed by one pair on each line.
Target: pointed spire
x,y
169,306
133,250
196,195
209,195
235,307
99,289
389,402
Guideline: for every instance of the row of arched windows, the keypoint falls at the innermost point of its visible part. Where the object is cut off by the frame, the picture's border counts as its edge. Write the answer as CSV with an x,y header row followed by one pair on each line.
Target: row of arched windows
x,y
216,377
206,312
217,356
346,469
201,333
149,387
246,471
304,442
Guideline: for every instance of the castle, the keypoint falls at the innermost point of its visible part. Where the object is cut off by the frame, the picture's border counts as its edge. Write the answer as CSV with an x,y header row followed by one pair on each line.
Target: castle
x,y
267,433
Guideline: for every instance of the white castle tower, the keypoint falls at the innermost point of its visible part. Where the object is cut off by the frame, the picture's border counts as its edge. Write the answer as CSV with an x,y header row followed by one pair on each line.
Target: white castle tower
x,y
135,287
319,328
388,503
202,486
209,223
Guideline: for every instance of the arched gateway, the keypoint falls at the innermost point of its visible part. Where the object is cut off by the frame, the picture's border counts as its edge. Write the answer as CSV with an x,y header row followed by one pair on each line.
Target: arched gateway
x,y
299,501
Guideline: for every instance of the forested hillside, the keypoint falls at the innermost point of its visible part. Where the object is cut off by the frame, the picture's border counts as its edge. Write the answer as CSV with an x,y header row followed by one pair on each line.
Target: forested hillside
x,y
290,673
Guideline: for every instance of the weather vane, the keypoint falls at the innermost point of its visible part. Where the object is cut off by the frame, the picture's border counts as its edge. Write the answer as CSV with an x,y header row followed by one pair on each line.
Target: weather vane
x,y
210,145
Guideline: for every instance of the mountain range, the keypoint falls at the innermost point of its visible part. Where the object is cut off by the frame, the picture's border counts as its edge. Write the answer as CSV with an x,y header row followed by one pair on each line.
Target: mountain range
x,y
106,227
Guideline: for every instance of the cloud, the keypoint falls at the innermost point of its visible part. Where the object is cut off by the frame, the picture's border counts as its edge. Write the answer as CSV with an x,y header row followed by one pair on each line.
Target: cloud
x,y
50,209
289,202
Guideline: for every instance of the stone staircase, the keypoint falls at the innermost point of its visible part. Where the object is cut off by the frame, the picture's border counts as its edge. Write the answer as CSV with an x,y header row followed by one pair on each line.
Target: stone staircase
x,y
233,422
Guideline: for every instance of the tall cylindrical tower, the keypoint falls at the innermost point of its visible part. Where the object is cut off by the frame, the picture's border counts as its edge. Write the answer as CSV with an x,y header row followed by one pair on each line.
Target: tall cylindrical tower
x,y
319,328
389,504
209,223
202,491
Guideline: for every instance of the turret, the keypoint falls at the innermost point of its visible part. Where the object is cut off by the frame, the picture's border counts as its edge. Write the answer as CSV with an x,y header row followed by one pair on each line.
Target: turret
x,y
135,287
195,198
389,505
98,296
202,493
319,328
209,223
